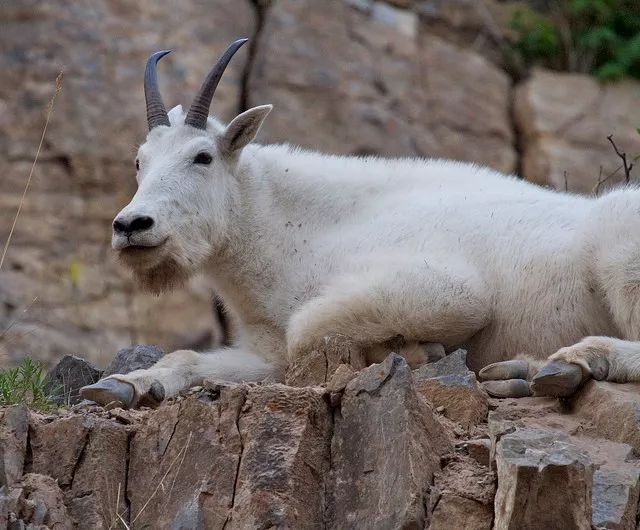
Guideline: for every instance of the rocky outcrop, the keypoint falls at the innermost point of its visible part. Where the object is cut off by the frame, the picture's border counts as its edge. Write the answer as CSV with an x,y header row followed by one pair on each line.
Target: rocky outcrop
x,y
239,456
389,78
564,120
369,86
365,450
59,268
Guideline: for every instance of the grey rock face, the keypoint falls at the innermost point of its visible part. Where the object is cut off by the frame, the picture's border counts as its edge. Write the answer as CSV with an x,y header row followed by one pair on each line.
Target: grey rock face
x,y
615,498
65,380
14,428
450,384
544,481
383,464
133,358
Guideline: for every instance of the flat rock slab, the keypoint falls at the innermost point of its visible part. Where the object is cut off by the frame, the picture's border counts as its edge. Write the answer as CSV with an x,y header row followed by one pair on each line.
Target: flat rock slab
x,y
134,358
544,481
65,380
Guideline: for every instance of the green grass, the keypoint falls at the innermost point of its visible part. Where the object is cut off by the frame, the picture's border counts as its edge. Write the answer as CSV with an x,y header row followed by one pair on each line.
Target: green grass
x,y
25,383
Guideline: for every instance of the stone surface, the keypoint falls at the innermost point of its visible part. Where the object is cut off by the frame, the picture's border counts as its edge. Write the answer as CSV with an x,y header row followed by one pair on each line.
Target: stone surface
x,y
383,463
615,498
463,496
613,411
450,384
241,458
544,481
318,366
67,377
84,301
133,358
41,504
368,88
564,120
14,431
87,456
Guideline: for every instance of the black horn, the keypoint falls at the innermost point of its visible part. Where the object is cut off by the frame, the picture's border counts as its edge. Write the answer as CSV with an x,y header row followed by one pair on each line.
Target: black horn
x,y
156,112
199,111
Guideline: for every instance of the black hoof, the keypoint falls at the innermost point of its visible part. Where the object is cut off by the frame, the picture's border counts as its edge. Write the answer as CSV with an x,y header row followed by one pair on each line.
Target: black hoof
x,y
510,388
557,379
109,390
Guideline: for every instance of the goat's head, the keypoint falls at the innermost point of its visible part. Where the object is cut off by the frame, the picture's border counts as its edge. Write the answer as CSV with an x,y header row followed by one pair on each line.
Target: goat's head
x,y
187,183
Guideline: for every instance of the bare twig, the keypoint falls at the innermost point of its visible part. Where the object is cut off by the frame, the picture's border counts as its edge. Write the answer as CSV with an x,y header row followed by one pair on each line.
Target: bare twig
x,y
35,160
566,180
623,156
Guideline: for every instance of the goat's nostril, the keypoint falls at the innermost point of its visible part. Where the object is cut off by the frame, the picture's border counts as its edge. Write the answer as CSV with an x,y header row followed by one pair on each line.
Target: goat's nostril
x,y
120,226
143,222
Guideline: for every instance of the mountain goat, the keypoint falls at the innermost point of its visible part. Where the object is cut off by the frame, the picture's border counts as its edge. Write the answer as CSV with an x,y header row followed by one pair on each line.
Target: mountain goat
x,y
302,245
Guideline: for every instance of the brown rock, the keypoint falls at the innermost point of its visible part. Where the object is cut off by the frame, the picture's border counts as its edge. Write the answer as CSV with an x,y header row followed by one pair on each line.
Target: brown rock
x,y
565,120
318,366
369,88
479,450
87,455
286,435
450,384
244,457
463,496
41,504
544,481
86,169
385,449
14,431
613,411
184,461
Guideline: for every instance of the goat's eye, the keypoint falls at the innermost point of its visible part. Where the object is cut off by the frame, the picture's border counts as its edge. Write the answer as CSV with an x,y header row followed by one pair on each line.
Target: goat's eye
x,y
202,158
137,165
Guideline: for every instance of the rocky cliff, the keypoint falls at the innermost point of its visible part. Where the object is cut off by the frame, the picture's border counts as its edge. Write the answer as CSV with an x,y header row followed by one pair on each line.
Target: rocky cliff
x,y
382,447
419,78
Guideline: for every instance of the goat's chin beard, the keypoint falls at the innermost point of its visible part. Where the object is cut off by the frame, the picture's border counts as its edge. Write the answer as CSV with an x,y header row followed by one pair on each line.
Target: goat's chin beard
x,y
165,276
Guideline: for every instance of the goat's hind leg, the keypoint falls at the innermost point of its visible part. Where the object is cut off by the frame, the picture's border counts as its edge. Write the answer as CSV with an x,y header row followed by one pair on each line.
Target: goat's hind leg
x,y
175,372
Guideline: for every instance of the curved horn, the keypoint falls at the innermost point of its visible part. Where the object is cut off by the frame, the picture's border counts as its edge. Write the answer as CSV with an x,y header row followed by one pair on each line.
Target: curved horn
x,y
199,110
156,113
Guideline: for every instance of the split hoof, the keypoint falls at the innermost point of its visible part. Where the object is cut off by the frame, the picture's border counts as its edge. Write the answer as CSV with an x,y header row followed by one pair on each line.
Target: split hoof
x,y
514,369
557,379
109,390
154,396
509,388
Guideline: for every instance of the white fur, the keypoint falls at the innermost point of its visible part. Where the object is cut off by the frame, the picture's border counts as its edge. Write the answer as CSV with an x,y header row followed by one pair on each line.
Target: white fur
x,y
301,245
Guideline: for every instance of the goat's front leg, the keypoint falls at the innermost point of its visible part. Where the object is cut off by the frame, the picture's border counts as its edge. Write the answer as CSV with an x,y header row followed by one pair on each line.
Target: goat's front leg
x,y
600,358
178,371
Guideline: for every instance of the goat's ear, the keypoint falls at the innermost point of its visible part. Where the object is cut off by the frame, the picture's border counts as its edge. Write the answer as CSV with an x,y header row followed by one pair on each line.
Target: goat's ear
x,y
243,128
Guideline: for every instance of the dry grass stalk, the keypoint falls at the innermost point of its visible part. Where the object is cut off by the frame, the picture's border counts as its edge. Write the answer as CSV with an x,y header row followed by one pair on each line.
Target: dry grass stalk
x,y
33,166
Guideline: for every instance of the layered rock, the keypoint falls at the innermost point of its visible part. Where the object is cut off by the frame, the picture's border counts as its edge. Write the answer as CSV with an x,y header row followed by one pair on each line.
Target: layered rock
x,y
564,120
238,456
59,265
369,87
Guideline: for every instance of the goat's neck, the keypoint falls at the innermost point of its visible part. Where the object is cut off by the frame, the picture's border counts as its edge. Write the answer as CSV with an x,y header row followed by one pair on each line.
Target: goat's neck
x,y
278,212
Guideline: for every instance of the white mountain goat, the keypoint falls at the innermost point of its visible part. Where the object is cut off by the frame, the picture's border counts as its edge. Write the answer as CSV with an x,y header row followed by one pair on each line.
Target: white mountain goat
x,y
302,245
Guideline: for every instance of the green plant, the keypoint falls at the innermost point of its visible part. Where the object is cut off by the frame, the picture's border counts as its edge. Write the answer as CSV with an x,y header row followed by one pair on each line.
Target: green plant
x,y
25,383
601,37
